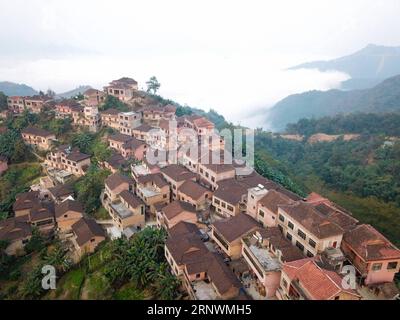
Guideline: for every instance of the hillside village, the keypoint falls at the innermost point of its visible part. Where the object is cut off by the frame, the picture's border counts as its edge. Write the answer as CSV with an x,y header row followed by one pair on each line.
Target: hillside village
x,y
229,235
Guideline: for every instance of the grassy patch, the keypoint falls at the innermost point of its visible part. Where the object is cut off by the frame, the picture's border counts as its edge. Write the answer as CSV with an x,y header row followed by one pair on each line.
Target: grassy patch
x,y
129,292
70,285
101,214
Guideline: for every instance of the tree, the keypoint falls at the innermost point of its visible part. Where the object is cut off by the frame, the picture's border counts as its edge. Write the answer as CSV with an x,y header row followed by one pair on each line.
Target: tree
x,y
89,188
50,93
3,101
36,243
12,147
112,102
153,85
83,141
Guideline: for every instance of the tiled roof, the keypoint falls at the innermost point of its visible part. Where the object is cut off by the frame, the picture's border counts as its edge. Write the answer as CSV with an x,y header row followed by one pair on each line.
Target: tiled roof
x,y
116,179
193,189
26,200
176,207
369,244
230,191
61,190
110,112
236,227
77,156
312,220
131,199
320,284
274,198
155,178
68,205
86,229
14,229
120,137
37,132
178,172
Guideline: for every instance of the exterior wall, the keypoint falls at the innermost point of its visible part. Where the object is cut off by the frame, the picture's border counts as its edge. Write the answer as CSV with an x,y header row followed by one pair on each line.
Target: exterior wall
x,y
162,197
43,143
176,270
199,203
269,279
183,216
35,106
90,246
110,120
266,217
122,94
368,270
224,208
16,104
253,197
113,194
21,213
232,249
212,178
309,250
66,221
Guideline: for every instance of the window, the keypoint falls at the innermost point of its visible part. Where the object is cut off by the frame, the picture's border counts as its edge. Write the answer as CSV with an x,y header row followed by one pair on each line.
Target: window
x,y
301,234
376,266
309,254
312,243
280,228
289,236
299,245
261,213
230,208
392,265
216,201
290,225
198,275
281,218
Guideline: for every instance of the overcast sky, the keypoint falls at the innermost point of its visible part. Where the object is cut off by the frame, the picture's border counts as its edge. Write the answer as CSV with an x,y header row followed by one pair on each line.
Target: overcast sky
x,y
226,55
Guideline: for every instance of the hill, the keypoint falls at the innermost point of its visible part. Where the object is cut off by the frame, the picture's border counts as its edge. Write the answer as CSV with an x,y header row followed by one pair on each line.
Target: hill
x,y
367,67
73,92
385,97
15,89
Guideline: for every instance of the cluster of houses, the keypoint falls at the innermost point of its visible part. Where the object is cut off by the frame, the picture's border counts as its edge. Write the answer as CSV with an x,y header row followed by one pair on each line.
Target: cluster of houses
x,y
230,235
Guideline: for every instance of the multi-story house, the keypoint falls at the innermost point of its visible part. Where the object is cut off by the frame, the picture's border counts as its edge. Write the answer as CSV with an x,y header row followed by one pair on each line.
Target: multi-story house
x,y
267,206
176,175
228,234
309,229
128,146
127,211
37,137
68,213
175,212
144,132
230,198
375,258
16,233
87,235
195,194
123,89
204,274
128,121
68,159
152,115
16,104
36,104
306,280
153,189
114,185
93,97
265,250
109,118
65,108
200,124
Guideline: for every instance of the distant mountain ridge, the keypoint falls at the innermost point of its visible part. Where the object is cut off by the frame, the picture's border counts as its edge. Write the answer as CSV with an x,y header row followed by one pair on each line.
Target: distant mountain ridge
x,y
73,92
367,67
384,97
15,89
